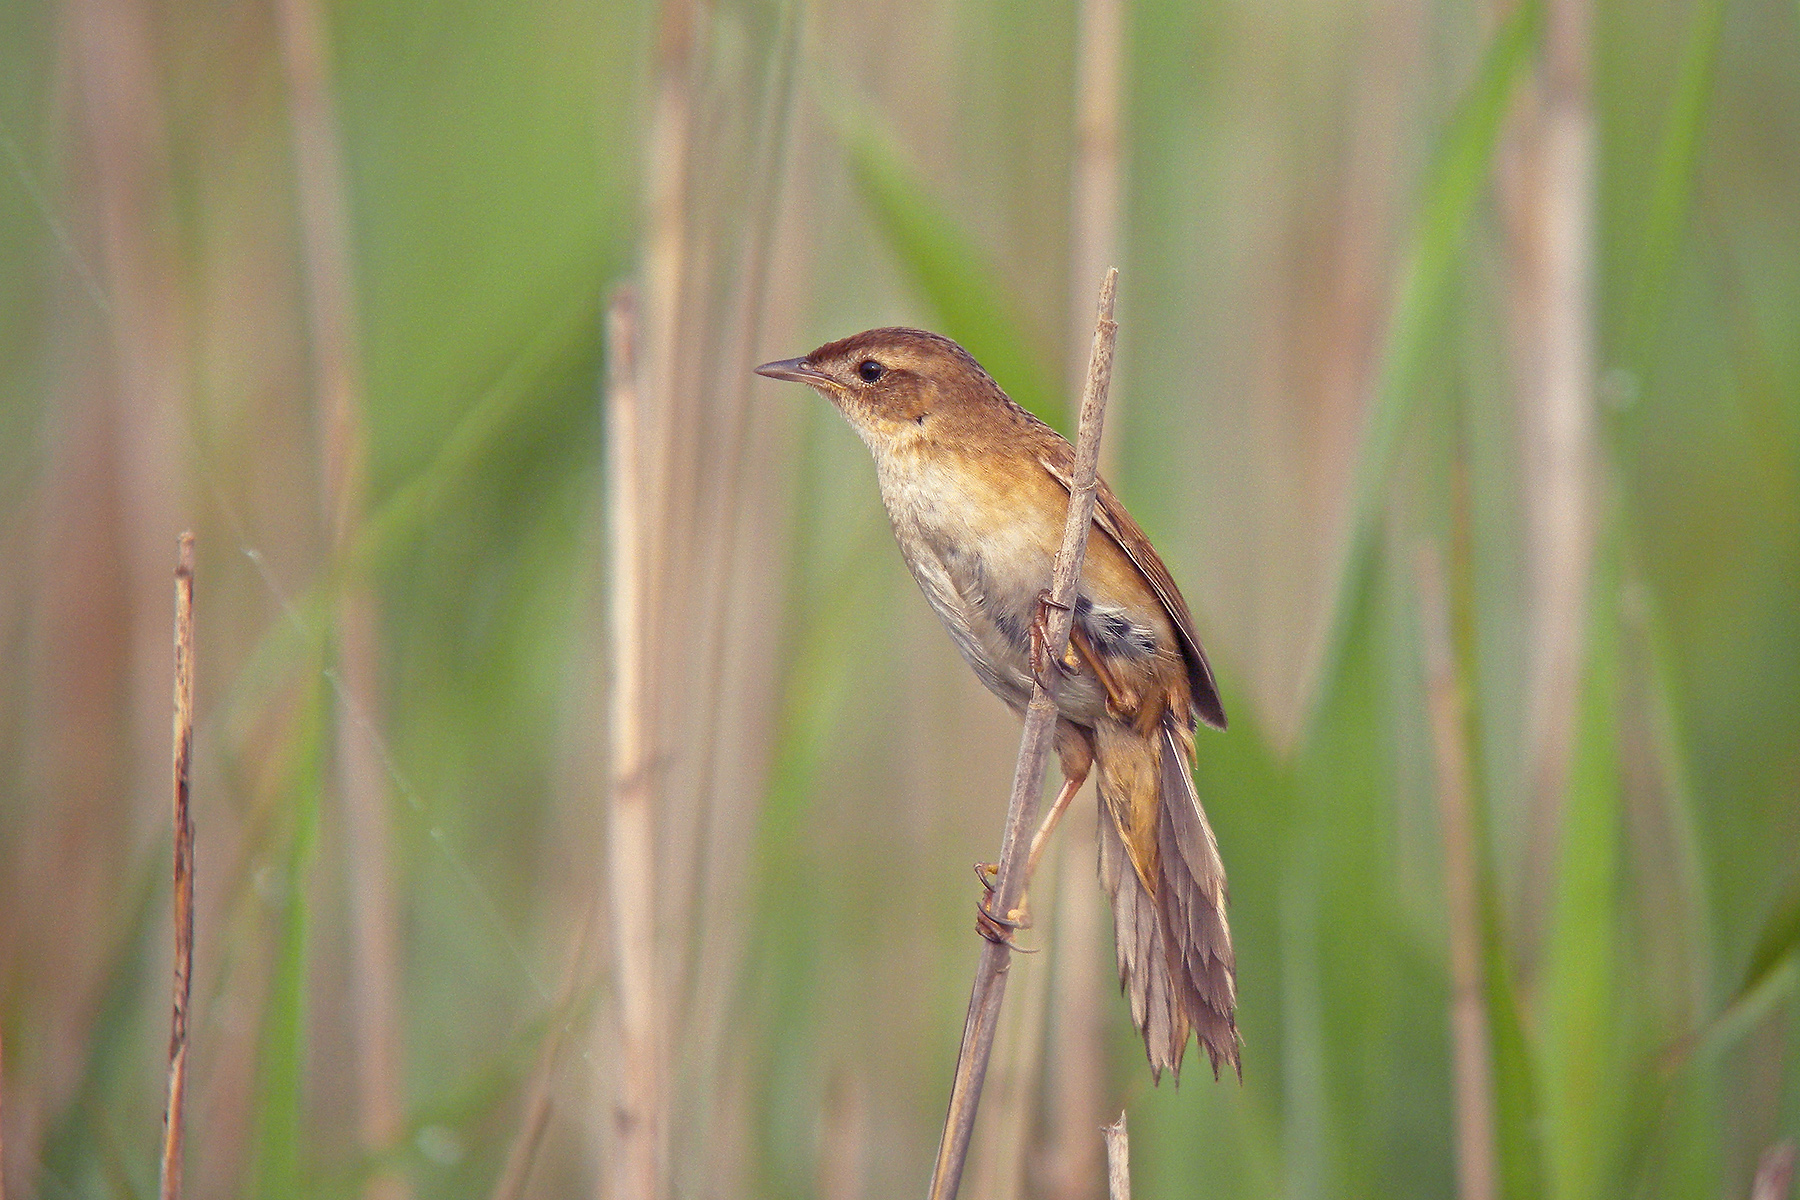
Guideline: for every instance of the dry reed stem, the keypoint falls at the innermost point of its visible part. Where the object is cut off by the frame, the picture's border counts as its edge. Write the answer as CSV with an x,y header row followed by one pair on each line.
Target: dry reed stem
x,y
1077,1074
1072,1159
1563,419
727,566
328,267
329,272
1774,1173
183,732
636,1159
1118,1159
1476,1171
1028,777
665,275
144,310
647,449
1548,192
1097,167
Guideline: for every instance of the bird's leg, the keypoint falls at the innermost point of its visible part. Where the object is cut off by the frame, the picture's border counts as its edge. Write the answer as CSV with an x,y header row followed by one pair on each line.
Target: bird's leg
x,y
1040,640
1071,785
996,928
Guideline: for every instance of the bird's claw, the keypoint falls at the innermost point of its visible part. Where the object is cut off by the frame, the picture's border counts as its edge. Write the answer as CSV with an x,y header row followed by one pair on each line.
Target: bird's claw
x,y
1040,643
996,928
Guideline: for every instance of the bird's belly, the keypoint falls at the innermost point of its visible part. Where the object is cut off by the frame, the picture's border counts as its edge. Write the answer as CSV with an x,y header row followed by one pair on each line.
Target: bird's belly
x,y
985,589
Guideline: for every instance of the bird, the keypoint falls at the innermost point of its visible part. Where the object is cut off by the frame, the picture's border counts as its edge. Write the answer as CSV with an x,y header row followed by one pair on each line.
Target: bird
x,y
977,490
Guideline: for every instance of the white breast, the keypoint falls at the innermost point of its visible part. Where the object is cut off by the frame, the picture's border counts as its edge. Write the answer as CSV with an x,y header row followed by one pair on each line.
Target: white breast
x,y
986,600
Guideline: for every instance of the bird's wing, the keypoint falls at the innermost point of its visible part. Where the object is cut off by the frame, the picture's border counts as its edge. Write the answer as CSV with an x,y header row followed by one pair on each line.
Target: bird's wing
x,y
1110,515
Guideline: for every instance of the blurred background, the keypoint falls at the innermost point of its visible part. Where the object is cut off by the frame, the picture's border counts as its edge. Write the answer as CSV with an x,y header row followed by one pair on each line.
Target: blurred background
x,y
1458,383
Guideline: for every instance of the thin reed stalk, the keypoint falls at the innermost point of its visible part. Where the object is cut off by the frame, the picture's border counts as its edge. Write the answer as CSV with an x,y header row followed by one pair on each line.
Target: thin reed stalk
x,y
1774,1173
173,1122
1028,777
1555,304
1472,1071
327,263
1076,1046
1098,165
1118,1159
133,191
636,1158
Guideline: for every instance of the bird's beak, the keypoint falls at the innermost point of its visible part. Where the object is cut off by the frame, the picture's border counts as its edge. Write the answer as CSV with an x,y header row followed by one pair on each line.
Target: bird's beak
x,y
795,370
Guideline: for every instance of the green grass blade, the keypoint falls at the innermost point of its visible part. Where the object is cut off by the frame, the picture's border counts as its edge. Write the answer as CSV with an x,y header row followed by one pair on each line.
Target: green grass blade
x,y
1518,1152
1672,184
1776,946
1453,185
1578,1052
279,1170
950,271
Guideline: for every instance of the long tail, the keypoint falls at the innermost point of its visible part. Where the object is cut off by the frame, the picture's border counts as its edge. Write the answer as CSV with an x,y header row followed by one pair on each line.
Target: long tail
x,y
1161,866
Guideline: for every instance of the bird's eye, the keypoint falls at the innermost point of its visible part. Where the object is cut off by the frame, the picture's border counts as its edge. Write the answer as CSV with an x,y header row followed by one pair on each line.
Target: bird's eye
x,y
870,370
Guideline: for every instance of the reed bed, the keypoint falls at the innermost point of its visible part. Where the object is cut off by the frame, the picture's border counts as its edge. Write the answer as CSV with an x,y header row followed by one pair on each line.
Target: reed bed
x,y
1456,381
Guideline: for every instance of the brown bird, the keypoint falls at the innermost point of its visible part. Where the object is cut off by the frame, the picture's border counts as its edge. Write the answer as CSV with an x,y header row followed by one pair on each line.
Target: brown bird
x,y
977,490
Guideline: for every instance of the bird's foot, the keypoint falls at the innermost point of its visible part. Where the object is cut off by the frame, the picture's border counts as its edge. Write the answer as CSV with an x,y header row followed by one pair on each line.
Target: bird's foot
x,y
1041,662
991,925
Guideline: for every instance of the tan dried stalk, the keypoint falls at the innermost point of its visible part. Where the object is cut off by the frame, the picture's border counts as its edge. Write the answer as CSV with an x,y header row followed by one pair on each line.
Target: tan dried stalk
x,y
1118,1159
1077,1069
1472,1071
636,1166
173,1127
1547,201
1028,777
132,193
1774,1173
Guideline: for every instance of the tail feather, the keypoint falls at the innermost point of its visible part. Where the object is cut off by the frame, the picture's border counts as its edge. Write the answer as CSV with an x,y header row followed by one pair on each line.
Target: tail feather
x,y
1143,957
1160,865
1193,895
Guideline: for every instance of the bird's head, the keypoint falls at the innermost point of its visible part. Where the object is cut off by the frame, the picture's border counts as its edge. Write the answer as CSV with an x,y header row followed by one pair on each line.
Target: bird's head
x,y
896,387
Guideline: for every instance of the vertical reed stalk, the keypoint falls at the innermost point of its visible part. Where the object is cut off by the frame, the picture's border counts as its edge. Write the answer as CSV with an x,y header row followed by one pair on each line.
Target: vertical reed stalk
x,y
1472,1071
1774,1173
1561,422
117,44
322,197
1098,167
636,1159
1118,1159
1078,1029
173,1127
1028,777
1547,196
